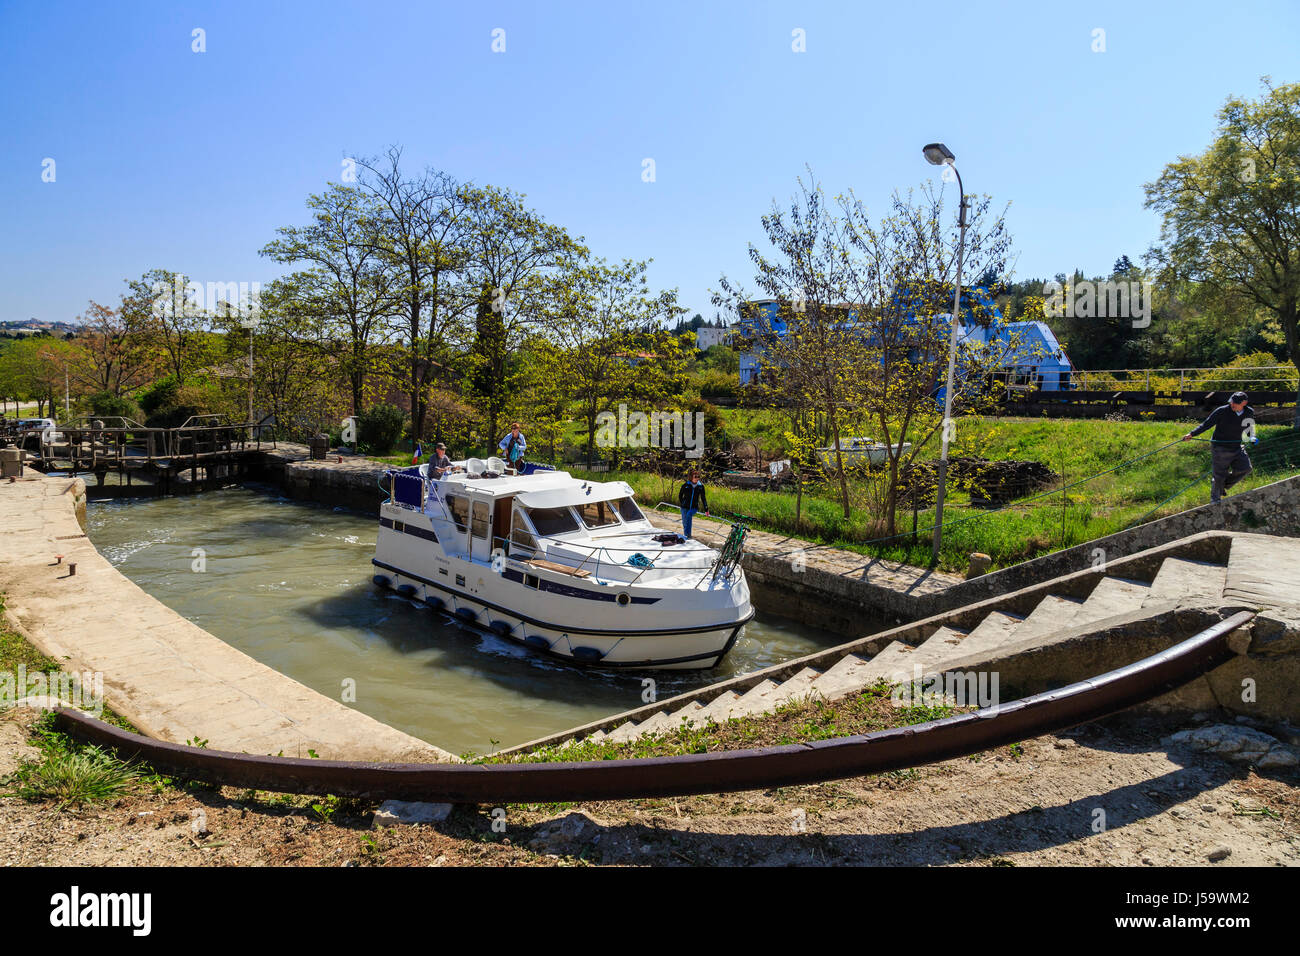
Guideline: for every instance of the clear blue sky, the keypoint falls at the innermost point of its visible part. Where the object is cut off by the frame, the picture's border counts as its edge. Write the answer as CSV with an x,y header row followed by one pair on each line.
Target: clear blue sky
x,y
189,161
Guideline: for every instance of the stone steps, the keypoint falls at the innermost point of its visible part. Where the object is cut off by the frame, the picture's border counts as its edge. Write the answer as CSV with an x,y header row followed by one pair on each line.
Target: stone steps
x,y
1052,613
797,685
1181,579
853,672
1110,597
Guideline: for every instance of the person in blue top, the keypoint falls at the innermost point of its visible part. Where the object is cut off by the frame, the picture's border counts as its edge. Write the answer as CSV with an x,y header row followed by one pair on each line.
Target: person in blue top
x,y
514,445
1232,423
692,498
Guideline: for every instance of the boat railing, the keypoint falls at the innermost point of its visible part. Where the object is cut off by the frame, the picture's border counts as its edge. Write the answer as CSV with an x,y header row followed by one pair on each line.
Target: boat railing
x,y
595,554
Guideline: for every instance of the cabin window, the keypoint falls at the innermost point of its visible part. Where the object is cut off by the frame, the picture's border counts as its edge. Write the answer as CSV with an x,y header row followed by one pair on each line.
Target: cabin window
x,y
479,526
549,521
628,509
598,514
520,536
459,511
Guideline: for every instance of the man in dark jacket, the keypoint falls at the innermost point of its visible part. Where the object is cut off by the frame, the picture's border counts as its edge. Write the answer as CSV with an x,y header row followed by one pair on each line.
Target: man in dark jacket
x,y
692,498
1232,424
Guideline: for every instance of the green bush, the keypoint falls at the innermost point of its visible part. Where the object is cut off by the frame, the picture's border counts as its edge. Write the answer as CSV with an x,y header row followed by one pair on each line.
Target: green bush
x,y
379,429
715,383
108,405
161,394
1229,378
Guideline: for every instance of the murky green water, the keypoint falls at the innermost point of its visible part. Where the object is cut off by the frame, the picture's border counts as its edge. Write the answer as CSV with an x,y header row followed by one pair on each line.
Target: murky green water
x,y
289,584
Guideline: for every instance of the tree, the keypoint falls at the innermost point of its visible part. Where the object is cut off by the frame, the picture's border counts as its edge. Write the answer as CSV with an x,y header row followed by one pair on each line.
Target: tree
x,y
422,221
514,258
596,319
348,291
1231,215
864,317
37,368
169,310
489,382
113,358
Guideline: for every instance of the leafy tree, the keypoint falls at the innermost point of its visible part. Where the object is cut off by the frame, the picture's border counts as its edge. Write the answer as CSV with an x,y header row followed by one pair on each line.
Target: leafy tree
x,y
169,310
865,309
114,353
420,234
489,382
347,293
1231,215
599,320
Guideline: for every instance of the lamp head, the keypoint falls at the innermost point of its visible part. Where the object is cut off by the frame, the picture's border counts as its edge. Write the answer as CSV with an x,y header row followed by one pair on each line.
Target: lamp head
x,y
938,154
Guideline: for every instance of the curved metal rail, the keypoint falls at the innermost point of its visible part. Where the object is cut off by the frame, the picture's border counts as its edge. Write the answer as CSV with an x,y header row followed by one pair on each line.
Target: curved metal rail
x,y
696,773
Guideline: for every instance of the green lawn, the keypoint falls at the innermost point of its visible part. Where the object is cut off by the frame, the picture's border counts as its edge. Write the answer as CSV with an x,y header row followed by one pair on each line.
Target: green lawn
x,y
1148,482
1161,483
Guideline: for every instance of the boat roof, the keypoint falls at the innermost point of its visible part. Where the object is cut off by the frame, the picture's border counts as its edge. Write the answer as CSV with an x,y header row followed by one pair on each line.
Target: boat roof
x,y
541,489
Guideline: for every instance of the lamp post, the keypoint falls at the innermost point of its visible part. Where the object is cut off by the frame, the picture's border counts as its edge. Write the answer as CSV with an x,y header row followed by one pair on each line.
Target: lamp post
x,y
940,155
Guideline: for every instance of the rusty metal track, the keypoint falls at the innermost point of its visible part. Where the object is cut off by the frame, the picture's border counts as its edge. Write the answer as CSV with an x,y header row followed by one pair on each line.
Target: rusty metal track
x,y
697,773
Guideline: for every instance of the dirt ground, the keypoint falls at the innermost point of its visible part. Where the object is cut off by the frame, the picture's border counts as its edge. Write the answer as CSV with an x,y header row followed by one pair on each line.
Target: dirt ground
x,y
1108,794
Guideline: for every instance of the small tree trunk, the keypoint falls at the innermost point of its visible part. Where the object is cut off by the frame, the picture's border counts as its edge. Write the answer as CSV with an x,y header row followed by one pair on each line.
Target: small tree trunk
x,y
834,421
798,501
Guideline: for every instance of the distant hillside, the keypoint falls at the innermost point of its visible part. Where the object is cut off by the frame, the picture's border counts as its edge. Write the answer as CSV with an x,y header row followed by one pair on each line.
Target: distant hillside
x,y
37,327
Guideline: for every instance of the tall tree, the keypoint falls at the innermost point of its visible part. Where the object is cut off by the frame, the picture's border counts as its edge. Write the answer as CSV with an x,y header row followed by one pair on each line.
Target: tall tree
x,y
174,313
514,258
347,292
594,325
113,356
1231,215
863,318
489,382
422,220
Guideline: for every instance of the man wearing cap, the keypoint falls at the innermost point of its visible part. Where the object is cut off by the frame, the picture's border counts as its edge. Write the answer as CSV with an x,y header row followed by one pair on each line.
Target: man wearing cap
x,y
1231,423
439,464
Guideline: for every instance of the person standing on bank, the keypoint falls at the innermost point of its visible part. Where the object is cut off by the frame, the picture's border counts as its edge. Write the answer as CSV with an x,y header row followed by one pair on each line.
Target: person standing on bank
x,y
692,498
1232,423
514,445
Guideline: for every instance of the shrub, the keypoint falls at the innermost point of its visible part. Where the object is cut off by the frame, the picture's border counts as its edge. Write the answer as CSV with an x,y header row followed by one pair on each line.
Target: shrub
x,y
71,778
715,383
161,394
1229,378
379,429
108,405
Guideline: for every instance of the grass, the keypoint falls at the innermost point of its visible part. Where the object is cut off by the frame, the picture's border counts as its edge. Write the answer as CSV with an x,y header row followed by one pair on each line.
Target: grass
x,y
68,773
1076,449
796,721
72,776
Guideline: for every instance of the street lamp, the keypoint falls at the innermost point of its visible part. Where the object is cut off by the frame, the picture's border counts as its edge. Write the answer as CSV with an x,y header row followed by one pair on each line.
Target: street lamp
x,y
940,155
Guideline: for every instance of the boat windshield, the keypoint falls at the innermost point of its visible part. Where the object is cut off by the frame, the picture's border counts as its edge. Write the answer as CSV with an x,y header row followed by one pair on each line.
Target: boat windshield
x,y
597,514
550,521
628,509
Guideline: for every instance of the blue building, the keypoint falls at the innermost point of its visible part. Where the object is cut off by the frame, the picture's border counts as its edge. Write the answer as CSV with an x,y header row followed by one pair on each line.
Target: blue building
x,y
1034,358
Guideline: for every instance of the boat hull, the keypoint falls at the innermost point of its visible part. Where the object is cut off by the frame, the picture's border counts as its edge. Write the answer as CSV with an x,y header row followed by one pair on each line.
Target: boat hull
x,y
595,645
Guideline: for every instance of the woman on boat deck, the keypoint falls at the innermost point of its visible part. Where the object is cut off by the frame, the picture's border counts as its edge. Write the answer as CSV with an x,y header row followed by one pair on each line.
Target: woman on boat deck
x,y
692,498
514,445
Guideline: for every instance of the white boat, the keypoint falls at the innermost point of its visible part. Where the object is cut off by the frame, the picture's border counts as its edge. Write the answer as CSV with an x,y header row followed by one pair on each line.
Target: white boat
x,y
567,567
855,450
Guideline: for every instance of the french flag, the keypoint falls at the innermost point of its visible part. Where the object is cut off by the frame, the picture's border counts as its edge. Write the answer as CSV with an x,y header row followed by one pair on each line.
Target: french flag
x,y
419,453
